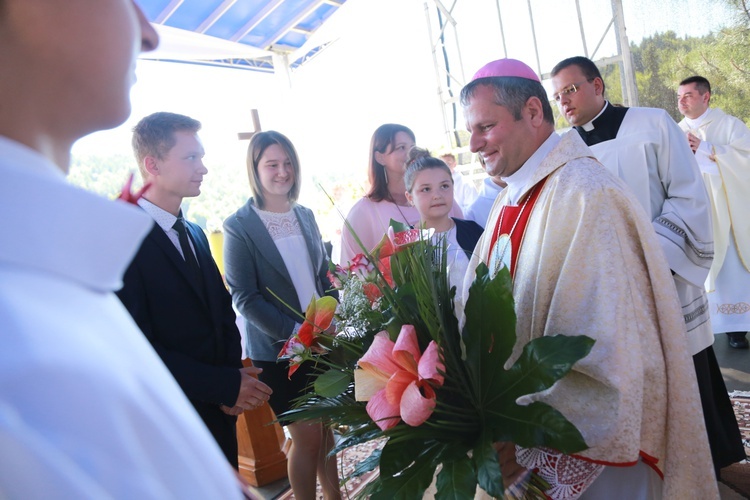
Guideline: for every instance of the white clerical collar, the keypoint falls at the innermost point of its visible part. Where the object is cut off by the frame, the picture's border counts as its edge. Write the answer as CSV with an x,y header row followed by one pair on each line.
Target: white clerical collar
x,y
521,177
590,125
696,122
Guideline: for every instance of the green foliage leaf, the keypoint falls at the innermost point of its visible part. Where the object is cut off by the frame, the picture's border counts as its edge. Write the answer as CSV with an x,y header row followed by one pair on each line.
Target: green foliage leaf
x,y
332,383
406,470
367,465
490,330
489,337
489,477
457,480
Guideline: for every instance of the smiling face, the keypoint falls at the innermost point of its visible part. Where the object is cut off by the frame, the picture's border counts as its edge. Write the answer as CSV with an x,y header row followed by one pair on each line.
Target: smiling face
x,y
504,143
691,102
180,173
395,155
582,105
432,195
275,173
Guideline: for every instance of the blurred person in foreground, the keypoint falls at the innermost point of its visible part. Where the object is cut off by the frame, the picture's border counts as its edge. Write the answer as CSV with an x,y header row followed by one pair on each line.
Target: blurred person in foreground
x,y
645,148
721,144
87,408
585,260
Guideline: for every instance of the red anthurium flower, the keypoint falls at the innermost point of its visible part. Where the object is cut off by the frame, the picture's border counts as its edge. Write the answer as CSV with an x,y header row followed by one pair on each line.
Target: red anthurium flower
x,y
372,292
130,197
360,265
398,379
384,265
393,242
318,318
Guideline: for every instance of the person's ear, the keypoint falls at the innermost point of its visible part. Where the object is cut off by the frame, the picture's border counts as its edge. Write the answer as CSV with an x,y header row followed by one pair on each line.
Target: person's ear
x,y
409,198
151,165
534,110
598,86
380,157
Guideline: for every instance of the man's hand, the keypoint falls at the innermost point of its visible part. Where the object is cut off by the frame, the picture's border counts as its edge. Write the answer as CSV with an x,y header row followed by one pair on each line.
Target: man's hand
x,y
506,455
233,411
253,393
693,141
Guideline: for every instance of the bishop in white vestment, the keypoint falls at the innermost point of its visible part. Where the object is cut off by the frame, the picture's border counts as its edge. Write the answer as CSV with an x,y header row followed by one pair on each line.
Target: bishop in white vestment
x,y
586,261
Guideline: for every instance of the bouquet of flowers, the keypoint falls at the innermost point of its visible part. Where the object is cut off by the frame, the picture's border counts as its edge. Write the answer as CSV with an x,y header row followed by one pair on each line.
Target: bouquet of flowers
x,y
400,368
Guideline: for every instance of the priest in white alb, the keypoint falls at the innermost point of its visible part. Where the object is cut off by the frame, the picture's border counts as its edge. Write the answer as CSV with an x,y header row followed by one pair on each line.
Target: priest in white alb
x,y
647,150
721,144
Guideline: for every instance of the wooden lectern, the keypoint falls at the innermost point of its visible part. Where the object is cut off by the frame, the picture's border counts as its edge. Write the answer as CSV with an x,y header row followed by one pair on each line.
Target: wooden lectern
x,y
262,445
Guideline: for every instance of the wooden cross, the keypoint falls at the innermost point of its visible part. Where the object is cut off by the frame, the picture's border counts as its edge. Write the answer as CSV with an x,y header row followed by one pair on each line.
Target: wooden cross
x,y
246,136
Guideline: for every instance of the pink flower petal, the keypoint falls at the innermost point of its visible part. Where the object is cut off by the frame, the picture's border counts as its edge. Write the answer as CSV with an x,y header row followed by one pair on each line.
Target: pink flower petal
x,y
379,358
406,351
397,384
384,414
415,409
430,362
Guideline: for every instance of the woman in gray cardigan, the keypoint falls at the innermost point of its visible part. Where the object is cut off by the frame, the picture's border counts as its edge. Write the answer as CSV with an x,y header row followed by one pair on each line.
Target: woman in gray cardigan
x,y
272,244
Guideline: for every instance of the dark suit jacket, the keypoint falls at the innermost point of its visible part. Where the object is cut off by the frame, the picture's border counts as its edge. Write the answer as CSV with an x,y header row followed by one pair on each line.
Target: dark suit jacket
x,y
194,333
468,233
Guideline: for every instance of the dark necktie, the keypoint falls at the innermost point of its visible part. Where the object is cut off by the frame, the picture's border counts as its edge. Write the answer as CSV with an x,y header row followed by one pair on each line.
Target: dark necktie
x,y
187,252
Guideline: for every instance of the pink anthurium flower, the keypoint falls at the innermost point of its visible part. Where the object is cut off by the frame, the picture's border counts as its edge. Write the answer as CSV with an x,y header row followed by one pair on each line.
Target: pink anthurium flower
x,y
399,380
127,195
318,318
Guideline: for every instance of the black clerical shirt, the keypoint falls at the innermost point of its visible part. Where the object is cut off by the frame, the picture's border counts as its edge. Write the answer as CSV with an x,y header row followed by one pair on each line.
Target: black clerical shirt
x,y
606,125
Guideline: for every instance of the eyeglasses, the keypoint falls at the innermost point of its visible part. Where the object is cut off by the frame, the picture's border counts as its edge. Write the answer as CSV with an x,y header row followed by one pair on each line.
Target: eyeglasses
x,y
570,89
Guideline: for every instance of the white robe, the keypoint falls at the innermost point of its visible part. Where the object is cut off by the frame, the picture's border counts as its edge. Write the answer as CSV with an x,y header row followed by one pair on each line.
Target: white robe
x,y
87,408
464,192
727,178
480,209
590,264
652,156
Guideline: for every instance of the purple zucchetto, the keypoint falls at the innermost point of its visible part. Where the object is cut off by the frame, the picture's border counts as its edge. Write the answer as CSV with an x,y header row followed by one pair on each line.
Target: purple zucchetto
x,y
506,67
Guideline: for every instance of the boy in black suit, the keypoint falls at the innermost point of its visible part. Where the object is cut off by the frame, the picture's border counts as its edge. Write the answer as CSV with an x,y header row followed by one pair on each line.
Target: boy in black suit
x,y
174,290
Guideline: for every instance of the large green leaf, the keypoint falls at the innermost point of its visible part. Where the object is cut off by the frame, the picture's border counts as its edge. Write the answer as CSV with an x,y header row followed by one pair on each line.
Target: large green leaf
x,y
332,383
406,469
489,477
457,480
489,336
367,465
490,330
